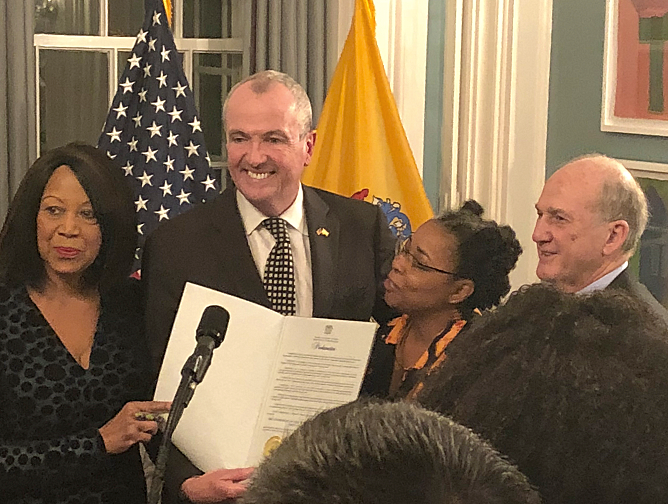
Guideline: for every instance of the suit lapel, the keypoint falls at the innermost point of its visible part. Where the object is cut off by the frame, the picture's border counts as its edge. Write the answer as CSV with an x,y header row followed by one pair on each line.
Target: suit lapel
x,y
323,232
239,272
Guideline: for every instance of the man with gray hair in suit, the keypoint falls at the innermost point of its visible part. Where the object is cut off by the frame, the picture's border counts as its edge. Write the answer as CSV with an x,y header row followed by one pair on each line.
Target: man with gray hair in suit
x,y
591,215
267,239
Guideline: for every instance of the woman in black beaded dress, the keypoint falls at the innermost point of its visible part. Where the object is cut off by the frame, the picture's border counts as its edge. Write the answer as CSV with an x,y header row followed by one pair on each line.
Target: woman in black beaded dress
x,y
72,356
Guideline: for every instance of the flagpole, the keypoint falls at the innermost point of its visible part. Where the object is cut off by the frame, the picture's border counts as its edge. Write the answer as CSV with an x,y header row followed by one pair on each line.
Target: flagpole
x,y
168,11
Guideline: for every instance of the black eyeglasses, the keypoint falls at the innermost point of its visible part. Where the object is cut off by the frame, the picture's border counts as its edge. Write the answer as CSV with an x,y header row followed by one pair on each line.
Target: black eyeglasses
x,y
401,248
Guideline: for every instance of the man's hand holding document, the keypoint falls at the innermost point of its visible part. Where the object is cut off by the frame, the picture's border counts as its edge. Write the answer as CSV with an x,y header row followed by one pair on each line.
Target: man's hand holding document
x,y
269,375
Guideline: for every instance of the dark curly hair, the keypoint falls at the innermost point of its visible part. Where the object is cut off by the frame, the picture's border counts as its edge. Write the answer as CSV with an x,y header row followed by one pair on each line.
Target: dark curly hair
x,y
486,253
572,388
111,198
370,452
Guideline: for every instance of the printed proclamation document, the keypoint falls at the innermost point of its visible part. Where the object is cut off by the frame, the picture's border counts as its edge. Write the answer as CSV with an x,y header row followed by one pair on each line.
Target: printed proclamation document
x,y
269,375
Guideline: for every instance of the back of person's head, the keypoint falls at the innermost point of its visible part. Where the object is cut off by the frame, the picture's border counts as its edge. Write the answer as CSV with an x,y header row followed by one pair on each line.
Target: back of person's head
x,y
386,453
487,252
572,388
111,199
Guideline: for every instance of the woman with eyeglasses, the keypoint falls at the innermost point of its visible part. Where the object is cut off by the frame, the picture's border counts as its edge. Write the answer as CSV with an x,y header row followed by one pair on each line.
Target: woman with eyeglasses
x,y
450,269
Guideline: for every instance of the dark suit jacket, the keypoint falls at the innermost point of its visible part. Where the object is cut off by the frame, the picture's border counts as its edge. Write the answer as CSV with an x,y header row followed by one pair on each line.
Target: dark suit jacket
x,y
627,282
208,246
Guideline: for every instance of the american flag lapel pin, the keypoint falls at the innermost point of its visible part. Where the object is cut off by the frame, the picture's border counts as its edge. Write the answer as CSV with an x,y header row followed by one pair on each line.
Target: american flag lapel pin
x,y
322,232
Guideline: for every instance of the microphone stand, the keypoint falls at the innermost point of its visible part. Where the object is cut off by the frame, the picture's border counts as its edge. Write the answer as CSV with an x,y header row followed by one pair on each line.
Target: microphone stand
x,y
192,374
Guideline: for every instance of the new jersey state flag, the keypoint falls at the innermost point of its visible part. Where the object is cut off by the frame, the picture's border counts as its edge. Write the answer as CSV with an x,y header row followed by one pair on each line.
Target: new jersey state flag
x,y
361,148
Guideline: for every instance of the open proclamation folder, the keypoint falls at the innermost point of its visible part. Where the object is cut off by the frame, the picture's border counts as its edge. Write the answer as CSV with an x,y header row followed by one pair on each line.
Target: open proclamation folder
x,y
269,375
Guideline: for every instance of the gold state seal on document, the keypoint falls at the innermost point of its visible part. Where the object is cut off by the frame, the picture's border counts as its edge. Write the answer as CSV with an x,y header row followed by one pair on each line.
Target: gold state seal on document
x,y
271,444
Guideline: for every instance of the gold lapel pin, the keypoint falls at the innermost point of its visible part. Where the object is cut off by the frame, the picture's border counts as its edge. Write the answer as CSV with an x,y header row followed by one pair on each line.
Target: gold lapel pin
x,y
322,232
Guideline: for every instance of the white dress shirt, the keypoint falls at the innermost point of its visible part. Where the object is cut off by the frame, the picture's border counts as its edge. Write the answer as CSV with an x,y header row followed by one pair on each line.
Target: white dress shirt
x,y
261,241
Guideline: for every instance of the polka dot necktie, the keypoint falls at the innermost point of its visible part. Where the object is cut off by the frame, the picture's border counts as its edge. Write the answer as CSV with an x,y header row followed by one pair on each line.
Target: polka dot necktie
x,y
279,272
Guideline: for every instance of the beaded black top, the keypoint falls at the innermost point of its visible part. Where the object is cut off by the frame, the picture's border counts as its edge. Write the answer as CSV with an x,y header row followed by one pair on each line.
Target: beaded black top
x,y
51,408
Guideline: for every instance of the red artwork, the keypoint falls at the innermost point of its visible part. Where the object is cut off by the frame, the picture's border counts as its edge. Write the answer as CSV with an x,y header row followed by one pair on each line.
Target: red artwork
x,y
650,8
642,60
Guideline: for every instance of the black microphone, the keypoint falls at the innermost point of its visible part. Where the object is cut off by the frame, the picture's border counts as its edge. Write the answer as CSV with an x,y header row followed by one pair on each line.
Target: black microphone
x,y
210,334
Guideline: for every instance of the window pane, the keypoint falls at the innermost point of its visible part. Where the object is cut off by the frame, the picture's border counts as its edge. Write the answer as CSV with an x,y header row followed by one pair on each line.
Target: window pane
x,y
125,17
122,61
210,18
74,97
215,74
68,17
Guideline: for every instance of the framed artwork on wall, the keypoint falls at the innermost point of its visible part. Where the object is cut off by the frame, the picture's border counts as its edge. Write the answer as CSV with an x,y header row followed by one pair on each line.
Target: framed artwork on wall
x,y
650,261
635,67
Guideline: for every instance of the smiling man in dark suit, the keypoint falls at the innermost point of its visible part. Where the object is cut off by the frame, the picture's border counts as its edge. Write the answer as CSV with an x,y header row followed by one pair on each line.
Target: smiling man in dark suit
x,y
331,253
591,215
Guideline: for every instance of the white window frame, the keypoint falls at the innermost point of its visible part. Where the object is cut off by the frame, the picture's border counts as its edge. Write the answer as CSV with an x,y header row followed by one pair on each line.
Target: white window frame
x,y
113,45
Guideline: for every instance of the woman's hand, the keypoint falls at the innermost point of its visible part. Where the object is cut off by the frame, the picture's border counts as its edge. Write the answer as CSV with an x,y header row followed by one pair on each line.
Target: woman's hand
x,y
129,425
217,486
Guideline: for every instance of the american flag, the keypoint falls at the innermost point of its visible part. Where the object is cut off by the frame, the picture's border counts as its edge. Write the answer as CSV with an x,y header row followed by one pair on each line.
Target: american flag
x,y
153,130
